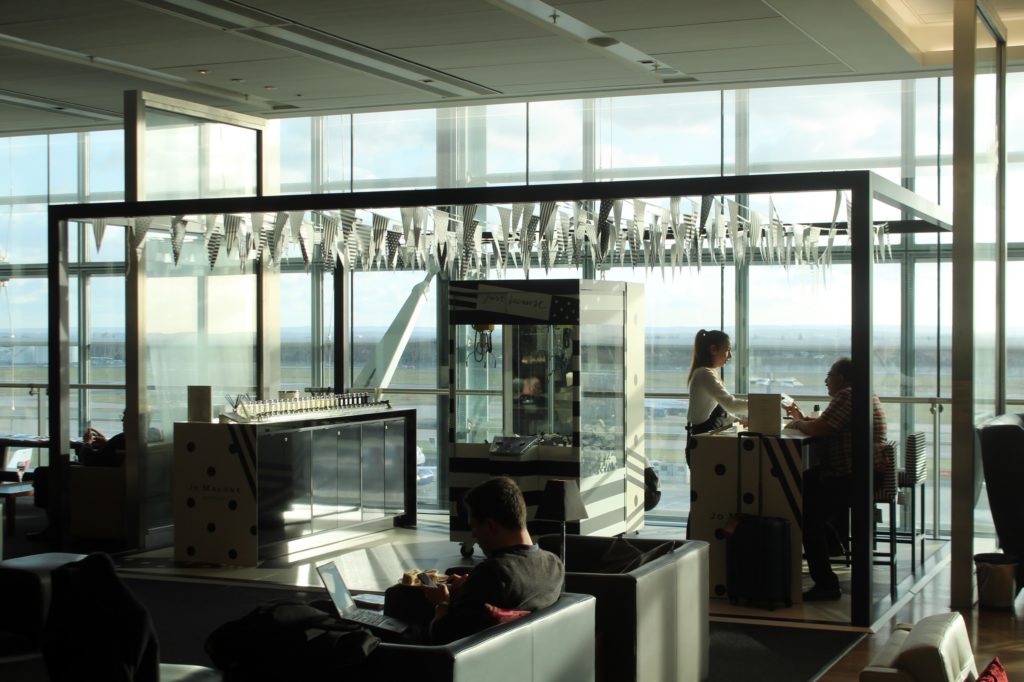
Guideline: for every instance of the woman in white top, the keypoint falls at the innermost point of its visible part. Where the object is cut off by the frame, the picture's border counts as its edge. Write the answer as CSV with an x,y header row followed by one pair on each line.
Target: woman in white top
x,y
711,405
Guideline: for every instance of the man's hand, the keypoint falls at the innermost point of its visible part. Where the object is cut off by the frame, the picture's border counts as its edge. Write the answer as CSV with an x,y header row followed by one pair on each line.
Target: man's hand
x,y
438,594
455,581
794,411
92,436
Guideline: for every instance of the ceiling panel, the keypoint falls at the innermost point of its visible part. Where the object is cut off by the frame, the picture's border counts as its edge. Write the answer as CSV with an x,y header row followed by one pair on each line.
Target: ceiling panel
x,y
504,75
550,48
479,40
712,36
615,15
740,58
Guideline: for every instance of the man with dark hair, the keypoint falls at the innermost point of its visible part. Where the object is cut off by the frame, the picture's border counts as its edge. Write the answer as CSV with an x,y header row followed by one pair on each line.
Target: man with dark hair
x,y
828,487
516,574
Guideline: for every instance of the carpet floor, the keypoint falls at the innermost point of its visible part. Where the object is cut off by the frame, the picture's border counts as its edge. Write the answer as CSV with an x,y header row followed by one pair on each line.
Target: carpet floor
x,y
775,654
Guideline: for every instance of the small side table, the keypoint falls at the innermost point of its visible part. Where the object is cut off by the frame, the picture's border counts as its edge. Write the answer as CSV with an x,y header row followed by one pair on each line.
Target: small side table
x,y
10,492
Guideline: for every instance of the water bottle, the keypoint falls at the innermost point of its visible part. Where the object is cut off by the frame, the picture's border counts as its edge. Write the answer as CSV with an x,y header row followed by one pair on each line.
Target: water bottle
x,y
816,412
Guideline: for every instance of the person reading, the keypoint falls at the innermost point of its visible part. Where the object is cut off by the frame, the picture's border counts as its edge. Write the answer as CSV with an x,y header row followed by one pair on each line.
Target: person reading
x,y
828,487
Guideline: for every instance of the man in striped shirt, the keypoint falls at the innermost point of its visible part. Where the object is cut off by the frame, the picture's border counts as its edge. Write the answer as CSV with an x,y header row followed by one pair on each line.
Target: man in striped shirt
x,y
828,487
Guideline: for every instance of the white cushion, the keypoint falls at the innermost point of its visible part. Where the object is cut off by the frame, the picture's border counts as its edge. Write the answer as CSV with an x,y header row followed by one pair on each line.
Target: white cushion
x,y
938,649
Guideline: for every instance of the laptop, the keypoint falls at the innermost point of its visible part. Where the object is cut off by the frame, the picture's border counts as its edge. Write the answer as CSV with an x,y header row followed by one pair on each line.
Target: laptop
x,y
346,606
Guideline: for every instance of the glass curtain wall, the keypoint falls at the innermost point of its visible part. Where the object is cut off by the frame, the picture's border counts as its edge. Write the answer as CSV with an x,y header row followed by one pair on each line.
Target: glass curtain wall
x,y
36,171
874,126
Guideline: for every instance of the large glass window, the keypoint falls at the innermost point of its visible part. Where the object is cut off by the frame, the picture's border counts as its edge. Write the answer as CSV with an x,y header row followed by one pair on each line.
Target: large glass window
x,y
823,127
781,129
394,150
556,141
674,135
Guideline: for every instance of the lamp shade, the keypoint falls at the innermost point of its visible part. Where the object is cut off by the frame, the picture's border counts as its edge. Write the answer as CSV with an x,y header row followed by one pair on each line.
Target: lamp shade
x,y
561,501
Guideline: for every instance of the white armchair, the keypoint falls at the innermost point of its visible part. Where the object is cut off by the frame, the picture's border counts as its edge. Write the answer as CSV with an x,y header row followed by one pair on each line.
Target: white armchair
x,y
935,649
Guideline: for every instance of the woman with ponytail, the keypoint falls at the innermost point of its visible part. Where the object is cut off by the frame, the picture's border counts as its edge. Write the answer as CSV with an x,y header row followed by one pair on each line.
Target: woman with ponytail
x,y
711,405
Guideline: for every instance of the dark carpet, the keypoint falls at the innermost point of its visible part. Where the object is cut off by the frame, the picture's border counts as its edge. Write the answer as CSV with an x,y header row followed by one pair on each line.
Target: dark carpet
x,y
769,654
185,613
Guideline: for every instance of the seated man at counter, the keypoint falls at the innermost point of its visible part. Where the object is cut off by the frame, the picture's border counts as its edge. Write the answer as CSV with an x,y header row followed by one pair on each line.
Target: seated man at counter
x,y
516,574
828,487
94,449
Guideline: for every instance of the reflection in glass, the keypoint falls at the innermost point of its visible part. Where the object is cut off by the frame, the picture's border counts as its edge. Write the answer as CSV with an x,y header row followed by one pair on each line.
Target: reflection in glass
x,y
187,157
200,328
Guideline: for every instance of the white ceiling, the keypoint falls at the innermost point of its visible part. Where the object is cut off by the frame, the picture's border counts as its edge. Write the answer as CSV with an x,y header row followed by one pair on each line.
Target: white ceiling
x,y
75,58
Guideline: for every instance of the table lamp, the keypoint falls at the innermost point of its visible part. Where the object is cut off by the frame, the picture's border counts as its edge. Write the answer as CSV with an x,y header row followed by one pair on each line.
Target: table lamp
x,y
561,501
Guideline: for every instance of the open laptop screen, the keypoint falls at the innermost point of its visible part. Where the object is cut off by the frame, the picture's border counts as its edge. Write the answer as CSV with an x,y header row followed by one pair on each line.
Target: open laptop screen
x,y
331,576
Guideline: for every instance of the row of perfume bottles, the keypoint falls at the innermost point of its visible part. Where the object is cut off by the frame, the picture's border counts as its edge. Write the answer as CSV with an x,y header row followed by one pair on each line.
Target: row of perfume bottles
x,y
256,409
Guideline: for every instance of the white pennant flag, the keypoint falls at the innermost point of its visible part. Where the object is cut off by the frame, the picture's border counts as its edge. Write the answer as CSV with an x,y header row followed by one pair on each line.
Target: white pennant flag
x,y
178,228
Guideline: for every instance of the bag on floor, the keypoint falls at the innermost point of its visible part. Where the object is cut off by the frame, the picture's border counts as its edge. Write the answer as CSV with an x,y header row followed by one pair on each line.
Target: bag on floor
x,y
285,639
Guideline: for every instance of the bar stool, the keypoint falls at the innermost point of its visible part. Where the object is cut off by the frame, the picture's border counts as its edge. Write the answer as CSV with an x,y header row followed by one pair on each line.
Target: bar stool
x,y
912,477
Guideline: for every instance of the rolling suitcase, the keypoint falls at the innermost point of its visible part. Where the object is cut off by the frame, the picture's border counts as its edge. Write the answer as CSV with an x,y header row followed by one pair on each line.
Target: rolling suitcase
x,y
757,551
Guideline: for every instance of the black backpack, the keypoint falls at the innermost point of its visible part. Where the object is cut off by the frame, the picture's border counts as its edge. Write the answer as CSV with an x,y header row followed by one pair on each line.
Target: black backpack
x,y
652,488
285,640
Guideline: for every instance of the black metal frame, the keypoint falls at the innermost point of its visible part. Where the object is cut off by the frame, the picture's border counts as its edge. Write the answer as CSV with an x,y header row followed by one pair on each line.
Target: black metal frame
x,y
864,186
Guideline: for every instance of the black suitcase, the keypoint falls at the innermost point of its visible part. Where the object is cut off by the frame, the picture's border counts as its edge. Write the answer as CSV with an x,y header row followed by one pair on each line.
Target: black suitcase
x,y
757,551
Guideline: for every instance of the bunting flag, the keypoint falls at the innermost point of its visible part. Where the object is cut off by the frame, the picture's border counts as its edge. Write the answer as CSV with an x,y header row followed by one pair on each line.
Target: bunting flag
x,y
380,227
713,224
738,254
213,236
327,240
673,216
348,254
718,229
408,218
259,236
231,223
244,242
139,231
526,243
633,235
99,227
278,237
307,242
178,228
393,242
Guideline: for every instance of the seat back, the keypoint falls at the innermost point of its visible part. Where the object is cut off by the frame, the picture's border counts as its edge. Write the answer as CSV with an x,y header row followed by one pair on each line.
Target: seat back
x,y
915,469
885,479
1002,456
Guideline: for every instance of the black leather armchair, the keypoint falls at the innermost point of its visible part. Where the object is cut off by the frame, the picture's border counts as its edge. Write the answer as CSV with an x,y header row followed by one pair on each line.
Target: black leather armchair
x,y
1002,459
555,644
25,583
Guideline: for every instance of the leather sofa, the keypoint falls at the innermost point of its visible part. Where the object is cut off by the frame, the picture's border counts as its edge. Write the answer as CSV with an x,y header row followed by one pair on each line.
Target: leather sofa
x,y
935,649
652,604
555,644
1002,458
26,585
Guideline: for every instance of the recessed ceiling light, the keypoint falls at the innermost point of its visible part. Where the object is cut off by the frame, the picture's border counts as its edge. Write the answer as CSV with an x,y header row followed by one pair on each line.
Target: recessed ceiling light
x,y
603,41
269,87
237,80
203,72
646,61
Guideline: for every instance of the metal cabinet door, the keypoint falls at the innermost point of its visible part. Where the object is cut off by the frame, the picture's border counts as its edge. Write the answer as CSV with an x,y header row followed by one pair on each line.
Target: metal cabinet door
x,y
372,452
394,465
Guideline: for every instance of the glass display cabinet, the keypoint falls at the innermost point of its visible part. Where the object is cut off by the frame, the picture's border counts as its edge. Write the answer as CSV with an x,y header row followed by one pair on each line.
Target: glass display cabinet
x,y
546,381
